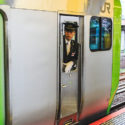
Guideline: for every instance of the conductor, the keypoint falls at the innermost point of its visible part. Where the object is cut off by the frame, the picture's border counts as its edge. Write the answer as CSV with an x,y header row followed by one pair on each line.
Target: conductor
x,y
70,47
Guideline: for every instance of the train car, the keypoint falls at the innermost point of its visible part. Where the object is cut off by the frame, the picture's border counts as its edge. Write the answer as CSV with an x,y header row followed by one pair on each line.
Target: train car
x,y
42,81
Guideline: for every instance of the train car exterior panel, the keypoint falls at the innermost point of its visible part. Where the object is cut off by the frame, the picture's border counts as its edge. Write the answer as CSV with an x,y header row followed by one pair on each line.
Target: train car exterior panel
x,y
36,91
2,80
33,64
116,50
78,7
97,73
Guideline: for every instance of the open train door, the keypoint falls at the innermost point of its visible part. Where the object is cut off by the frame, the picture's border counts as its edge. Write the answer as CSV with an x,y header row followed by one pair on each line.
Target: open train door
x,y
2,82
71,39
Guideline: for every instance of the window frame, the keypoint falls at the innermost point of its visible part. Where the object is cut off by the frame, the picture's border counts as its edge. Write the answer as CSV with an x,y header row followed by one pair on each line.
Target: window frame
x,y
100,34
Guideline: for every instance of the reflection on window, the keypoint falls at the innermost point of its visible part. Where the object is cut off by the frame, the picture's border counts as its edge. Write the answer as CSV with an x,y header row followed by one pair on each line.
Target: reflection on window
x,y
94,33
100,34
106,33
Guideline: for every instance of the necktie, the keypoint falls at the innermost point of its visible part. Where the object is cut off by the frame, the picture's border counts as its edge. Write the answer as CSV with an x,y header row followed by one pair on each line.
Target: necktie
x,y
68,48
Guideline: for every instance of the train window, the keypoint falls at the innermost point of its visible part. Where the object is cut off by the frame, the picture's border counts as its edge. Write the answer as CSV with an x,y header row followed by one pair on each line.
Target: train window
x,y
94,33
100,34
106,33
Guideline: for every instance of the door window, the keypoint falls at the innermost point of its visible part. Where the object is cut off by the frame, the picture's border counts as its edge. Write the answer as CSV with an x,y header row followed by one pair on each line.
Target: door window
x,y
106,33
94,33
100,34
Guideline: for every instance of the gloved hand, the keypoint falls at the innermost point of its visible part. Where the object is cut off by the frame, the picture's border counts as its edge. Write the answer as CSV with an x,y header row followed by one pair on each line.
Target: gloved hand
x,y
68,66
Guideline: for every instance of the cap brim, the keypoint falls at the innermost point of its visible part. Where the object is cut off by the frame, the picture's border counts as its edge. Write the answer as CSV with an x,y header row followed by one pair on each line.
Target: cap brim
x,y
70,29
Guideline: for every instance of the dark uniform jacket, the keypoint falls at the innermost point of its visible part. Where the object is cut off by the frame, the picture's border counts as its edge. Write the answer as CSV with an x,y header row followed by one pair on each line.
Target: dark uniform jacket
x,y
73,54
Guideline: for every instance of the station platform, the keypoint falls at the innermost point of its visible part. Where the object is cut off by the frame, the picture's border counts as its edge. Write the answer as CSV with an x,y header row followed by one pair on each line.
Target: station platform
x,y
116,118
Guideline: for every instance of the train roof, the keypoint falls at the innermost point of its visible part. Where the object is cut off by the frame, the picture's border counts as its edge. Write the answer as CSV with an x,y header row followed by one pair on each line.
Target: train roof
x,y
79,7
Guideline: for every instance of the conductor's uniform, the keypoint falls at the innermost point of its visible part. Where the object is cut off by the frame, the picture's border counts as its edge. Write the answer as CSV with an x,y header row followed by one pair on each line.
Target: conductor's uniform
x,y
72,55
70,47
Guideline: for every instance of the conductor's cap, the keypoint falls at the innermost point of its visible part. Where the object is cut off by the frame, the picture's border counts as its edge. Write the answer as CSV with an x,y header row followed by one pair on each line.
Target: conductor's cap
x,y
70,26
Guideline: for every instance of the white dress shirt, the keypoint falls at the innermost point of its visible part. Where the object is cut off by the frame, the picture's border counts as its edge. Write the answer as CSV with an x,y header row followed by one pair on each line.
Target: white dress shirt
x,y
68,46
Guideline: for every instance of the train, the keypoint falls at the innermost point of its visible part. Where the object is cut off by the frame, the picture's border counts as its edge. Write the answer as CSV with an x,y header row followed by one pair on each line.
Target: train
x,y
34,88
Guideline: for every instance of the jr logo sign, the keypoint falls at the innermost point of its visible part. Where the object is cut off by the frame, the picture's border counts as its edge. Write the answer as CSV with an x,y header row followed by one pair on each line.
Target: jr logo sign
x,y
106,8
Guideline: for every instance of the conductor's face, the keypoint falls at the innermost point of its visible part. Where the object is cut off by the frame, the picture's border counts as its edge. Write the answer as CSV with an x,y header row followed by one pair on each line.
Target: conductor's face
x,y
69,35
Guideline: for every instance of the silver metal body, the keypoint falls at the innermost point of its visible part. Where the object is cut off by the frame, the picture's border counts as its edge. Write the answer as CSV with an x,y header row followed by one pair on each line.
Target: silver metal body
x,y
97,77
32,66
33,80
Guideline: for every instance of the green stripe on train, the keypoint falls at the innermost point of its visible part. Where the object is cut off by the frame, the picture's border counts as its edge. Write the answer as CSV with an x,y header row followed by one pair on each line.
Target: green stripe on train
x,y
116,50
2,96
2,2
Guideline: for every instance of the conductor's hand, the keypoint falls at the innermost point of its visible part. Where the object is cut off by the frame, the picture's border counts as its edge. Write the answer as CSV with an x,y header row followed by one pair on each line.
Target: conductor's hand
x,y
68,66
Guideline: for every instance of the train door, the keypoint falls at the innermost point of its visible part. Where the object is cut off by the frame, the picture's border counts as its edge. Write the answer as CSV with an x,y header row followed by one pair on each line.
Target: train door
x,y
70,67
2,96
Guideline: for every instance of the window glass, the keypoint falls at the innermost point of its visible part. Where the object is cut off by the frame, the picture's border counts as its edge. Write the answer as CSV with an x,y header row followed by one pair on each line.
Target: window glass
x,y
106,33
94,33
100,34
